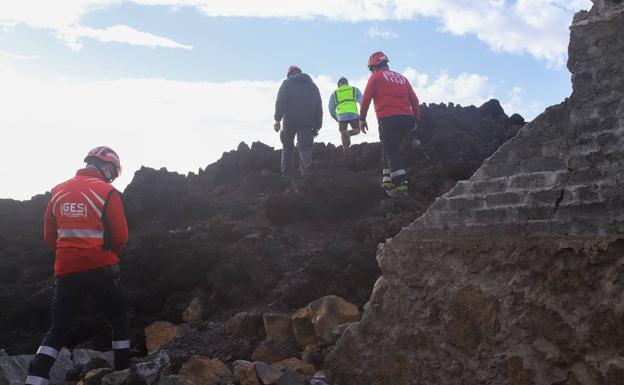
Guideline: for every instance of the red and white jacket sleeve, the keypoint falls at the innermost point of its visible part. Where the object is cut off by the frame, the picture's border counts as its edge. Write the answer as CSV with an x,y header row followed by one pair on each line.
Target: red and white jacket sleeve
x,y
116,218
414,102
49,228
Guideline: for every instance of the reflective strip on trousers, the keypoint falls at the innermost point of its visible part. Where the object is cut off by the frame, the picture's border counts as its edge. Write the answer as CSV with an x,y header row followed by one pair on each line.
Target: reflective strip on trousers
x,y
124,344
386,171
396,173
35,380
386,179
80,233
48,351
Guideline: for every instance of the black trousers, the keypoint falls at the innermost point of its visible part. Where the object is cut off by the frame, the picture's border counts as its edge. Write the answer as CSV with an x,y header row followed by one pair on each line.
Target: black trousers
x,y
305,140
392,131
70,291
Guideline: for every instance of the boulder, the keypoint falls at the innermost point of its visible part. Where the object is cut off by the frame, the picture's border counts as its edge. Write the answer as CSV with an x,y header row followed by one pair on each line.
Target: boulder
x,y
272,351
174,380
124,377
94,376
147,372
159,333
205,371
329,312
278,326
80,371
295,365
291,378
14,369
267,374
245,324
514,275
303,328
245,373
193,311
85,356
313,355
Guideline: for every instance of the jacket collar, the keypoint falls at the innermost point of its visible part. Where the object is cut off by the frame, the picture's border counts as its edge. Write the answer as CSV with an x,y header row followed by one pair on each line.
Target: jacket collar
x,y
91,172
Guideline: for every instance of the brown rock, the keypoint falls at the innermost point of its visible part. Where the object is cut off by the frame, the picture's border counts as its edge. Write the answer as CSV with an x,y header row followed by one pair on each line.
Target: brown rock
x,y
193,311
205,371
475,319
329,312
272,351
268,374
278,326
159,333
303,328
312,354
174,380
245,324
296,365
340,329
94,376
517,373
245,373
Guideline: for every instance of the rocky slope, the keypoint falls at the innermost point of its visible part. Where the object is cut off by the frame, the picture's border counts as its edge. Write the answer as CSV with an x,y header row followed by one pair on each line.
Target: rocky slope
x,y
240,237
515,276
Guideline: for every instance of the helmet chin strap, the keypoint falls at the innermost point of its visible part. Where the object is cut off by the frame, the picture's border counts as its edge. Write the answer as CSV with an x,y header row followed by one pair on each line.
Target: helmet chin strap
x,y
107,178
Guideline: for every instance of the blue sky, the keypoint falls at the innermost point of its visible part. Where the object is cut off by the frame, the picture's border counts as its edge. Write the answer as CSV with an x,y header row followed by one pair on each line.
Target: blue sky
x,y
174,83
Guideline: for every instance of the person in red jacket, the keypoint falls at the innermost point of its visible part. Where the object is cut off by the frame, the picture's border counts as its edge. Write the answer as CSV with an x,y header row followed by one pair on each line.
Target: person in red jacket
x,y
85,225
398,112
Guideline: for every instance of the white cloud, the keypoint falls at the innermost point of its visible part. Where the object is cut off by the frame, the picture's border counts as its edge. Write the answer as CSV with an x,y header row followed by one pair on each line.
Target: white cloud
x,y
118,34
64,18
159,123
465,89
515,102
378,32
536,27
19,57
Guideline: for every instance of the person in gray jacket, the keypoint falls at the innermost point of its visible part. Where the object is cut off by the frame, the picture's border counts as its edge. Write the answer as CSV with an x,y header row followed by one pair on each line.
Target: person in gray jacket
x,y
299,104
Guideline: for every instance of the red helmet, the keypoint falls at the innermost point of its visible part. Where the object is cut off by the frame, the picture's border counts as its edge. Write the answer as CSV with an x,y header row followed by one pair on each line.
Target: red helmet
x,y
292,69
376,59
105,154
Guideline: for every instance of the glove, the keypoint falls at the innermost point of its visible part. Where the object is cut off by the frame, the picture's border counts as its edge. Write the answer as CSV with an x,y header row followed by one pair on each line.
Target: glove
x,y
315,132
277,126
363,126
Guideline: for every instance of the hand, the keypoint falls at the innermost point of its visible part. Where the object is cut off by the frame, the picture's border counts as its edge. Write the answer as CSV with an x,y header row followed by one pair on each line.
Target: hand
x,y
277,126
363,126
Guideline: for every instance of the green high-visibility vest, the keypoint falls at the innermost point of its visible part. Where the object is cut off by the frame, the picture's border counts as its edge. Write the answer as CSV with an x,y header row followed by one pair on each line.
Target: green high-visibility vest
x,y
346,100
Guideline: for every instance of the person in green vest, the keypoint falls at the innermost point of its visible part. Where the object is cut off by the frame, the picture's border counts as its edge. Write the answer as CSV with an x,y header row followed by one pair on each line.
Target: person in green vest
x,y
343,107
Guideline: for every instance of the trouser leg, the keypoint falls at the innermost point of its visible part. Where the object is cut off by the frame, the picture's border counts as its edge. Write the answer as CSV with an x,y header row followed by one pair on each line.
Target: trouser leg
x,y
287,137
345,138
304,145
68,297
394,130
345,134
385,166
110,297
355,127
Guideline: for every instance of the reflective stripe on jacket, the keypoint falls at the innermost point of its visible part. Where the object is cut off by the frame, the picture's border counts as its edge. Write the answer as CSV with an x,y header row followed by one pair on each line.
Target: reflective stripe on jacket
x,y
346,100
76,223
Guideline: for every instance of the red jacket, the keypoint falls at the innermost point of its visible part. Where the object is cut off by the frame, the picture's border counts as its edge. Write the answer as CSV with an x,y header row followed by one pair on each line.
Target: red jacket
x,y
392,93
75,223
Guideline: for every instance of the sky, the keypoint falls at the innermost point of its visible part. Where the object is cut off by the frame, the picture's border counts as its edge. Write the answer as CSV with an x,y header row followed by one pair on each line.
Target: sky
x,y
175,83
